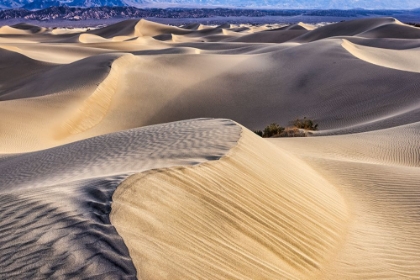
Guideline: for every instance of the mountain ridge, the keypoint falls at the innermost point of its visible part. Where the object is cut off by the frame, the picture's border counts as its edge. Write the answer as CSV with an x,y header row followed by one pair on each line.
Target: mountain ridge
x,y
266,4
104,13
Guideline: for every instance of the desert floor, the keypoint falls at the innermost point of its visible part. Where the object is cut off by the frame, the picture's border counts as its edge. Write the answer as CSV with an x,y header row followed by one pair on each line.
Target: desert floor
x,y
127,151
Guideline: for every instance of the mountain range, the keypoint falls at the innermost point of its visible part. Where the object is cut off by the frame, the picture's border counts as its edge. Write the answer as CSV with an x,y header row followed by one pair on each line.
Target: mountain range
x,y
269,4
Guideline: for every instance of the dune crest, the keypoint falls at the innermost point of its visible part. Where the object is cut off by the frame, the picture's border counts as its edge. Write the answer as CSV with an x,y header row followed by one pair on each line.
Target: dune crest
x,y
55,203
378,173
8,30
149,28
91,38
95,107
404,60
257,213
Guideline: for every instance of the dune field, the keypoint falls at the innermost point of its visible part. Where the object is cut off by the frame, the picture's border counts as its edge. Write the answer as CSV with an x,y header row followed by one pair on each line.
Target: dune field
x,y
127,152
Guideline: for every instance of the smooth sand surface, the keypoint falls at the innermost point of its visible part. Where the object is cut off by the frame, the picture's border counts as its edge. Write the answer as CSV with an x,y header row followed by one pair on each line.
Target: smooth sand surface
x,y
155,113
405,60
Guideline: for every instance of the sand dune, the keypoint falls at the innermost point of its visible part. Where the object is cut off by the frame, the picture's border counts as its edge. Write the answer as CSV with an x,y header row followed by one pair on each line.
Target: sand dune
x,y
56,202
10,30
144,109
347,28
15,68
405,60
255,214
379,173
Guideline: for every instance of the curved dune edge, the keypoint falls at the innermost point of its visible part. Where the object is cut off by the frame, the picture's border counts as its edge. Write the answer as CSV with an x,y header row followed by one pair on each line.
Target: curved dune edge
x,y
9,30
91,38
405,60
50,53
55,203
150,28
95,107
256,213
378,173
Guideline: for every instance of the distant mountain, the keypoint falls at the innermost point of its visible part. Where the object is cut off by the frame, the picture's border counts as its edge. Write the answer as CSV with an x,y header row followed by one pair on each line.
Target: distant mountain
x,y
41,4
285,4
11,4
97,3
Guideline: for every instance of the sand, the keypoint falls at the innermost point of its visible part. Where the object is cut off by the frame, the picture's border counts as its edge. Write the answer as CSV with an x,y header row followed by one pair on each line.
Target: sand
x,y
127,152
56,202
378,173
257,213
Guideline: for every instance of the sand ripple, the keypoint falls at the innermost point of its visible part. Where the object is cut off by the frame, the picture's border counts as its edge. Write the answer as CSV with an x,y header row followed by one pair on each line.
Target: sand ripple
x,y
55,204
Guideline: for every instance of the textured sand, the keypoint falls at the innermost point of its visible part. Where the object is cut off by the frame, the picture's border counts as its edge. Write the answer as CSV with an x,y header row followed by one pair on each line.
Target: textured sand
x,y
55,203
129,108
378,173
257,213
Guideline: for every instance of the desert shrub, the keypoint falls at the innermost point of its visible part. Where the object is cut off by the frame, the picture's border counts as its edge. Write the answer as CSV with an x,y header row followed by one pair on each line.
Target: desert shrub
x,y
258,132
305,123
272,130
298,128
292,132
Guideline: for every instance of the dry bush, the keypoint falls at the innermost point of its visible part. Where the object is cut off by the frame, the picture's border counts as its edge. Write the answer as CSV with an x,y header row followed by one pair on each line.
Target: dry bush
x,y
300,128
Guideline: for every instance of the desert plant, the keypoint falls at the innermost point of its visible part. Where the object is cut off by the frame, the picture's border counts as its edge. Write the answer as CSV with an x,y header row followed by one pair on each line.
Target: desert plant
x,y
272,130
293,132
258,132
305,123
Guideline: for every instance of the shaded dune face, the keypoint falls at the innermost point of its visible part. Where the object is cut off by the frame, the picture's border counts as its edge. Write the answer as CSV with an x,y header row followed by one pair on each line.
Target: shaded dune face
x,y
113,166
49,233
55,203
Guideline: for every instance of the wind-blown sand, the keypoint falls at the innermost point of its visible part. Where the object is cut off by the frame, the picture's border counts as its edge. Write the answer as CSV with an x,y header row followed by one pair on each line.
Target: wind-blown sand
x,y
257,213
56,202
123,155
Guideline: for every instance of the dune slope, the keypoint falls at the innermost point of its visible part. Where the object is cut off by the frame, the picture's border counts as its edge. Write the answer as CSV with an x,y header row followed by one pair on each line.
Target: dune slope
x,y
378,173
56,202
257,213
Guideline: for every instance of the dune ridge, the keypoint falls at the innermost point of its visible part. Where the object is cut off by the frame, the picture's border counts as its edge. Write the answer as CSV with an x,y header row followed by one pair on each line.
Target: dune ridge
x,y
95,107
378,172
256,213
56,202
405,60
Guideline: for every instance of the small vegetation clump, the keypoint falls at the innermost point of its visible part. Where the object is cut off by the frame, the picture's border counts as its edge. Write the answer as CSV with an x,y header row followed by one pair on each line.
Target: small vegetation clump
x,y
299,128
305,124
272,130
259,132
